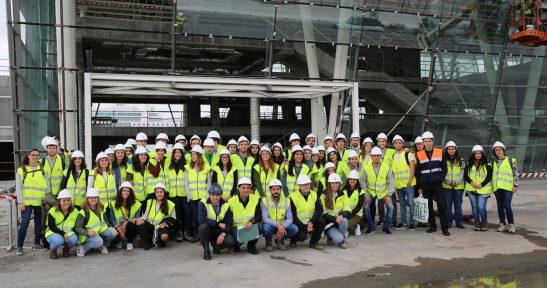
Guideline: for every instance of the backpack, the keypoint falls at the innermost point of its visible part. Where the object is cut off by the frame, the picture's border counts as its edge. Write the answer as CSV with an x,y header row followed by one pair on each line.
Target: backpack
x,y
406,157
25,172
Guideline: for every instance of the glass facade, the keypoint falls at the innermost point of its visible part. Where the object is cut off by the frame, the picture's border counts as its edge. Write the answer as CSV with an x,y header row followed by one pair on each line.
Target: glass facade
x,y
443,65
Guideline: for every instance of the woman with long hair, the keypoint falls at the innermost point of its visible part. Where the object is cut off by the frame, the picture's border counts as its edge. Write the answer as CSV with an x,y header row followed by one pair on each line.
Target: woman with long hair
x,y
292,170
123,213
478,186
356,197
322,182
337,210
264,171
75,179
453,184
60,225
197,174
102,179
505,183
225,175
119,165
278,156
140,173
365,151
176,174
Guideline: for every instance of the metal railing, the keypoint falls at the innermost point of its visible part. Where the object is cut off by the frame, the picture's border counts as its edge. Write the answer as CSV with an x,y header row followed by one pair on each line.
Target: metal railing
x,y
12,224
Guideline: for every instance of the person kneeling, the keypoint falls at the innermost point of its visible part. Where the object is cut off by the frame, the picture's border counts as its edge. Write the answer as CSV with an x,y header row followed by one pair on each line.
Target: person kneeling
x,y
60,223
277,217
337,210
246,211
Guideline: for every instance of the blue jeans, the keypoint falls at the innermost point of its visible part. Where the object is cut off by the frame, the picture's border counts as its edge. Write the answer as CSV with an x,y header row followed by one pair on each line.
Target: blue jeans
x,y
504,197
389,212
98,241
453,197
25,221
337,233
370,213
268,231
478,206
57,240
406,194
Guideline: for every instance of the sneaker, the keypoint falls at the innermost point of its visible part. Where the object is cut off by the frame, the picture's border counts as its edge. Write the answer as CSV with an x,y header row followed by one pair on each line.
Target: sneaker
x,y
104,250
180,237
511,229
19,251
400,226
484,227
369,231
478,226
411,227
280,245
380,224
80,252
346,235
268,247
386,231
119,245
316,246
358,230
343,245
129,246
37,247
292,244
501,228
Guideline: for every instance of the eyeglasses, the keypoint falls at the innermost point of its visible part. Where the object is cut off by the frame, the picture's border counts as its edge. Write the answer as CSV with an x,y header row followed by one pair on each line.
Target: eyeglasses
x,y
35,155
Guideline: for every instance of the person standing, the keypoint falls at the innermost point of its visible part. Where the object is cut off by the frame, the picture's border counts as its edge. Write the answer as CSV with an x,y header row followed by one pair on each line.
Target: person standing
x,y
478,186
403,171
505,184
453,184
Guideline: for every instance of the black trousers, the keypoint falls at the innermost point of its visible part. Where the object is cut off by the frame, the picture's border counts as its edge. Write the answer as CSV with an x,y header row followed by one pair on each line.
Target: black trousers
x,y
208,235
146,231
250,243
318,228
434,192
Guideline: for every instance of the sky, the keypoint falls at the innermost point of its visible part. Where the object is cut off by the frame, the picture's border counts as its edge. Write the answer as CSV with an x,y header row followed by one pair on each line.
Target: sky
x,y
3,40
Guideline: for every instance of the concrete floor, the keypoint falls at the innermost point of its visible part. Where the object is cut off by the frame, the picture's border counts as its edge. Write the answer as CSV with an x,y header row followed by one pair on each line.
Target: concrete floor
x,y
406,257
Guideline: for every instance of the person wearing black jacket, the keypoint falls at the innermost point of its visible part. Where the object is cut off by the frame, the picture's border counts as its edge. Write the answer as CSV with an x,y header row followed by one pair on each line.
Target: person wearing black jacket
x,y
215,222
478,186
356,196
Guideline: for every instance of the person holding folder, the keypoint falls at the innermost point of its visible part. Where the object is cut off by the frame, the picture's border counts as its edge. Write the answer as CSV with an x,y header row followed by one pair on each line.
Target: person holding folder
x,y
247,216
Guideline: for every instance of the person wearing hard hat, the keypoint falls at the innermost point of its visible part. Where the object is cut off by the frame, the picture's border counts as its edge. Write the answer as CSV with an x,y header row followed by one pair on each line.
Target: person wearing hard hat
x,y
64,153
292,170
60,225
264,171
110,153
294,140
31,188
328,141
365,152
54,165
232,146
181,139
163,138
123,213
102,179
75,179
307,156
129,148
322,155
157,225
254,149
242,160
380,188
341,147
277,154
381,142
158,166
211,157
140,173
277,217
354,141
352,164
195,140
119,165
307,211
329,169
453,184
197,174
316,167
216,138
337,210
215,223
142,139
418,144
429,174
225,174
403,167
246,211
334,157
311,140
176,181
356,197
478,186
504,183
91,226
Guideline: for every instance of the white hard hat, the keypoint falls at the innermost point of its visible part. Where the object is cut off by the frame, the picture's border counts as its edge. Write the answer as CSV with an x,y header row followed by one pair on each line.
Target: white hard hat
x,y
77,154
213,134
48,141
195,137
376,151
108,151
224,152
303,179
100,156
321,148
352,153
232,142
330,150
126,184
340,136
328,137
254,142
306,147
353,174
160,145
131,141
477,148
208,142
92,192
160,185
368,140
355,135
244,181
197,149
162,136
397,137
127,145
119,147
275,182
180,137
141,137
294,136
314,151
265,148
497,144
329,165
241,139
296,148
427,135
310,136
140,150
63,194
277,144
450,144
333,178
381,136
178,146
418,140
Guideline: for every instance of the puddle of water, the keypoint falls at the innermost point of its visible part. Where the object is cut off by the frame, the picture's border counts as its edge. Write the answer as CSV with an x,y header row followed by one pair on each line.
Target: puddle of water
x,y
527,280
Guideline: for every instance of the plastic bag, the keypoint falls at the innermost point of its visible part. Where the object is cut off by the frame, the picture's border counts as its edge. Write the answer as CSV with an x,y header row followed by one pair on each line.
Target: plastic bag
x,y
421,210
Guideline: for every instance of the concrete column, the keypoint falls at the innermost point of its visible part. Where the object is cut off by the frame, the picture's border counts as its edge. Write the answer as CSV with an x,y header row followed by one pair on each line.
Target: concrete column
x,y
355,108
255,119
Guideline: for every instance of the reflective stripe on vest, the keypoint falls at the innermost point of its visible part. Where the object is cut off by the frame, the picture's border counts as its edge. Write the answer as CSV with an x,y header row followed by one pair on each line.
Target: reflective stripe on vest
x,y
377,185
401,171
291,180
67,225
354,200
304,208
227,183
177,183
34,187
105,187
212,214
243,214
55,174
502,175
243,170
120,214
478,176
155,217
277,212
197,182
266,176
453,173
77,188
341,203
139,183
95,223
431,169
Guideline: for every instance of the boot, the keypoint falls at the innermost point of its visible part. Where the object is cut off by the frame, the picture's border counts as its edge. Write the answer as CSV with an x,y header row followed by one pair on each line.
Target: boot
x,y
66,252
268,247
53,254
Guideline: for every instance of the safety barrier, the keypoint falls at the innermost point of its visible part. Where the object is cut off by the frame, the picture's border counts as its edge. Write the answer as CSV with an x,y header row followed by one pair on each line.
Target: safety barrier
x,y
7,194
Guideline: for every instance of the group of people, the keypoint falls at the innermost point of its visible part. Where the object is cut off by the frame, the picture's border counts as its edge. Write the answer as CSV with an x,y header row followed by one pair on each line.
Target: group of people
x,y
219,195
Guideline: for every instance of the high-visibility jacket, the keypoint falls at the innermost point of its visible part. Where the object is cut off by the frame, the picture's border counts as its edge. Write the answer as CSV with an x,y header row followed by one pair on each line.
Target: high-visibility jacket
x,y
377,185
152,181
34,186
291,180
346,169
55,174
177,182
63,223
453,172
316,175
431,169
304,208
277,212
266,176
344,157
94,223
197,182
226,182
212,214
215,158
341,203
105,187
121,214
354,199
243,169
401,170
78,188
155,217
139,182
502,176
478,176
242,214
388,155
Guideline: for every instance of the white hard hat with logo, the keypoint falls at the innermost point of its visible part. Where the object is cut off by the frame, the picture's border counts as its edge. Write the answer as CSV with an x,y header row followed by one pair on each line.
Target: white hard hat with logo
x,y
64,194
